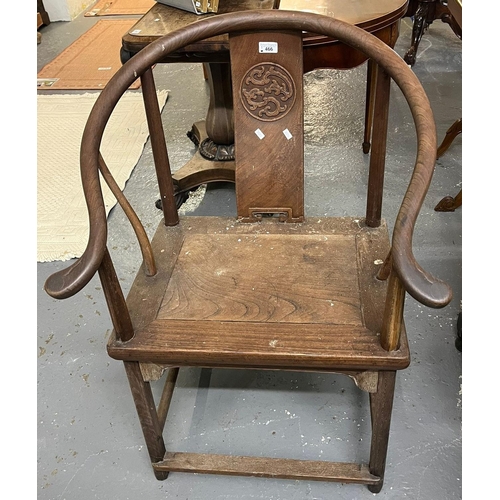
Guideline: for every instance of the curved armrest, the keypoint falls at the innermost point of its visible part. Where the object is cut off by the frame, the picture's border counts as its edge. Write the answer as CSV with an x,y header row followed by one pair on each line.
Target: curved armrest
x,y
69,281
420,284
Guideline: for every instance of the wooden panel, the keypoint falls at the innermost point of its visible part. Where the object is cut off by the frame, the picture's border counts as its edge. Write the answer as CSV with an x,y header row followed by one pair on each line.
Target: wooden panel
x,y
267,467
268,121
270,278
146,294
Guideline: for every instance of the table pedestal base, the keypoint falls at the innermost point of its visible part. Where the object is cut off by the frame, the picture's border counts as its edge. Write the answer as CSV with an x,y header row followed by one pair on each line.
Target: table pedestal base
x,y
200,170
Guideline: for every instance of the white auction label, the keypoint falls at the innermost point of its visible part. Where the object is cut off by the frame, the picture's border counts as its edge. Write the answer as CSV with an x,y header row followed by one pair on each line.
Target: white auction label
x,y
259,134
268,47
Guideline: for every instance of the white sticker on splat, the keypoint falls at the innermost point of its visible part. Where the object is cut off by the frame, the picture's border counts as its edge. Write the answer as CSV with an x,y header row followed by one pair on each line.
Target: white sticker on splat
x,y
259,134
287,134
268,47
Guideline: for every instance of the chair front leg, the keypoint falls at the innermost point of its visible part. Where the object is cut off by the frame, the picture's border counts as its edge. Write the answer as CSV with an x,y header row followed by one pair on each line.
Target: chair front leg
x,y
148,416
381,410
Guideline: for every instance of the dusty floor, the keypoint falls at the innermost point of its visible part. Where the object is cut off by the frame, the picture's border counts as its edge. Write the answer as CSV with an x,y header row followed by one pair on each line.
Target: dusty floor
x,y
90,445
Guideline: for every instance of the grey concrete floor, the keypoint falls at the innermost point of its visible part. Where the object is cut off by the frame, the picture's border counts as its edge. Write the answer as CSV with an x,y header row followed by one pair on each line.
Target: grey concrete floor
x,y
90,445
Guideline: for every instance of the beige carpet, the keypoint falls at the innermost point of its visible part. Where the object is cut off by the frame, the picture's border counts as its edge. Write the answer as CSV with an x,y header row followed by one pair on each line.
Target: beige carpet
x,y
62,221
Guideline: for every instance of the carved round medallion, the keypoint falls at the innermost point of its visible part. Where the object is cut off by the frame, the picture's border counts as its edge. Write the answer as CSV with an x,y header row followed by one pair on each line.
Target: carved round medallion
x,y
267,91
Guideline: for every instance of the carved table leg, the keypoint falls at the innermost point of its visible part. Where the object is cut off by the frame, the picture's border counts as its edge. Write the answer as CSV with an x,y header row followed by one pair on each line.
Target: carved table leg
x,y
423,17
219,121
214,137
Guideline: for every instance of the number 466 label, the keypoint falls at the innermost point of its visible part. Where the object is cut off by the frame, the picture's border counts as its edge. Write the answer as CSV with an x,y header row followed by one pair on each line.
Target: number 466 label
x,y
268,47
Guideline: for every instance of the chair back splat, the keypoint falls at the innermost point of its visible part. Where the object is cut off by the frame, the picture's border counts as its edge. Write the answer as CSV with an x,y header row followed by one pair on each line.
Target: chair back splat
x,y
269,131
270,288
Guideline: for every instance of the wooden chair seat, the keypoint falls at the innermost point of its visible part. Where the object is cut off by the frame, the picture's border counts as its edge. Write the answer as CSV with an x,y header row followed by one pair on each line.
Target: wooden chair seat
x,y
275,295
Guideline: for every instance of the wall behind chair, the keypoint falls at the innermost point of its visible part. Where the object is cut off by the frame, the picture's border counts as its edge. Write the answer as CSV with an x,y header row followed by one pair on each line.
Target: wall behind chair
x,y
66,10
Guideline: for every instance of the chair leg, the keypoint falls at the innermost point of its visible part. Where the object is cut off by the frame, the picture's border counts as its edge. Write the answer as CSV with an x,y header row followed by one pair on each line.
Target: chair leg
x,y
148,416
381,410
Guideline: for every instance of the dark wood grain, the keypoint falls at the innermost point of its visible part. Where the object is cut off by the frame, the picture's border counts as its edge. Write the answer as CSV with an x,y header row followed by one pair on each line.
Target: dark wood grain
x,y
219,121
424,13
265,278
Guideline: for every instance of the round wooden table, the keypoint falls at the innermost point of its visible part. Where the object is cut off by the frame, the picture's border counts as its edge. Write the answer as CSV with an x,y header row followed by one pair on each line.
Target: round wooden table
x,y
214,159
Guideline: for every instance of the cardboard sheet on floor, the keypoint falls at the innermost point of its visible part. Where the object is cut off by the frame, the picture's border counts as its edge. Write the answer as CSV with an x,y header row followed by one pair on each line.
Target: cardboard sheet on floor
x,y
90,61
120,7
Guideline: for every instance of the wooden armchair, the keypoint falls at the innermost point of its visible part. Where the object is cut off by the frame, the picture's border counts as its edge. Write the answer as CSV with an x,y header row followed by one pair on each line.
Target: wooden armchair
x,y
269,288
